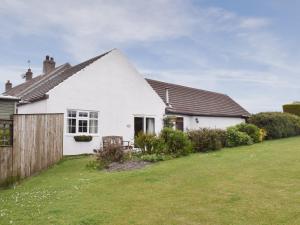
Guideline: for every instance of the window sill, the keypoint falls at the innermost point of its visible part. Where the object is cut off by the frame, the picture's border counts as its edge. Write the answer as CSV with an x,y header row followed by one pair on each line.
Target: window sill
x,y
72,135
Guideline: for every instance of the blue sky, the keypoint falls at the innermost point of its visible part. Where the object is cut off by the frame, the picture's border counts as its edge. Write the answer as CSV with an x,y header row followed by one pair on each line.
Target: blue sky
x,y
247,49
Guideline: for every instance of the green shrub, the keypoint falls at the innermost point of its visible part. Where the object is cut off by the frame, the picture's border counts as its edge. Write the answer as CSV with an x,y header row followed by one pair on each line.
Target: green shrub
x,y
277,124
176,142
234,137
109,154
144,142
149,143
83,138
169,121
207,139
292,108
155,157
250,129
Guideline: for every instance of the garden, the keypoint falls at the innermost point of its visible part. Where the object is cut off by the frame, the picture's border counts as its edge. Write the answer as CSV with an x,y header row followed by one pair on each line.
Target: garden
x,y
171,143
242,183
246,185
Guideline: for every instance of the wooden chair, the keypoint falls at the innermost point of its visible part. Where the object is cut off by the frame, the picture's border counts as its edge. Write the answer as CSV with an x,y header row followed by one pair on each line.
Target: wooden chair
x,y
115,141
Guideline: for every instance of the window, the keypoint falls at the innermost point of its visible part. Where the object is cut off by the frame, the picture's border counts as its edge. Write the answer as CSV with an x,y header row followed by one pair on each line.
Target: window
x,y
150,126
71,122
144,124
93,123
82,122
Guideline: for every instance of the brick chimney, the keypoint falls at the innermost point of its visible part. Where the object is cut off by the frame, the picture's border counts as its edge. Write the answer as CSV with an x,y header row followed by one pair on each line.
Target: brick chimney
x,y
8,86
28,75
48,64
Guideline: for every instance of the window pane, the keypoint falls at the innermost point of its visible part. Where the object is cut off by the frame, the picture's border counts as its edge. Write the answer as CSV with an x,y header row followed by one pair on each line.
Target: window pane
x,y
82,126
138,125
71,113
93,128
83,114
71,125
150,125
94,115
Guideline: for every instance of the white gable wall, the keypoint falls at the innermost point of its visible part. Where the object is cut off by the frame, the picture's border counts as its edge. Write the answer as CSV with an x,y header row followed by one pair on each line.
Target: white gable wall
x,y
110,85
36,107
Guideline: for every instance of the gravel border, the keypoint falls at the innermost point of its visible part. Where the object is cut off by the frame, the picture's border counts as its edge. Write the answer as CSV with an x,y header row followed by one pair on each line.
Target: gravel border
x,y
129,165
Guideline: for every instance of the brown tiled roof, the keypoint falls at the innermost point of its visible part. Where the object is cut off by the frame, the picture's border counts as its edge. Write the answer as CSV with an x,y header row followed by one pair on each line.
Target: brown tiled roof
x,y
192,101
36,88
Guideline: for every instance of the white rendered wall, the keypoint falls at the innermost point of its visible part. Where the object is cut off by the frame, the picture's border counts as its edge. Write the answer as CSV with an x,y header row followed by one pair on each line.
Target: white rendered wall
x,y
215,122
189,122
112,86
36,107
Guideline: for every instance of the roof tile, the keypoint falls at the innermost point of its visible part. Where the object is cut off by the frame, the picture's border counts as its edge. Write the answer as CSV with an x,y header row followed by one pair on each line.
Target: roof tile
x,y
192,101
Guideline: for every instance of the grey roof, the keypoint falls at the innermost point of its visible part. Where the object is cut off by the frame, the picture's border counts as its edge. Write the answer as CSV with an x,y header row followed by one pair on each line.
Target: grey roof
x,y
192,101
36,88
9,98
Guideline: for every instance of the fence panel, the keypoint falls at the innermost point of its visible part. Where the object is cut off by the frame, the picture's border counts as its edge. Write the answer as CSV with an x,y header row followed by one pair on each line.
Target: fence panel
x,y
37,144
5,163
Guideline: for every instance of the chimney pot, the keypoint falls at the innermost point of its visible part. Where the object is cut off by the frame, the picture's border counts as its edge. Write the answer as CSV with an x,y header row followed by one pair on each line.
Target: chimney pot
x,y
8,86
48,65
28,75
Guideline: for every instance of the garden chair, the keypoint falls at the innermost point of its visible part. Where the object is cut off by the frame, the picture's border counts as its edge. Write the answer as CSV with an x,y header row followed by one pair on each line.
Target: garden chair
x,y
115,141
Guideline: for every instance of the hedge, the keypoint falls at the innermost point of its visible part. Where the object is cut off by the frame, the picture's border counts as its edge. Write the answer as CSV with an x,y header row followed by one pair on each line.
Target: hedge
x,y
206,139
292,108
277,124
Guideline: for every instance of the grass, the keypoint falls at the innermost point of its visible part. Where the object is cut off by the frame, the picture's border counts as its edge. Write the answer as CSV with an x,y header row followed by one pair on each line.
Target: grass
x,y
257,184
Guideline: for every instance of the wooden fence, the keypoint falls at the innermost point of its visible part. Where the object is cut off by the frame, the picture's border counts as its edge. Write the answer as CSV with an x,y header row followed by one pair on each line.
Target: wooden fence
x,y
37,144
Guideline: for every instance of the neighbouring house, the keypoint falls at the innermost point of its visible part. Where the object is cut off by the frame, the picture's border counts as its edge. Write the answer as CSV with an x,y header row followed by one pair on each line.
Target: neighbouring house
x,y
8,106
106,96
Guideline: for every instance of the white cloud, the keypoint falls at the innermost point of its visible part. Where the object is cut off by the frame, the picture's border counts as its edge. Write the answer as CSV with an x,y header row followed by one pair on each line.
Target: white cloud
x,y
85,26
254,23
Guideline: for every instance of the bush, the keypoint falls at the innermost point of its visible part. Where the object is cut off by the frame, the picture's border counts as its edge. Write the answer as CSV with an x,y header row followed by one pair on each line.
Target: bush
x,y
144,142
207,139
107,155
234,137
262,134
252,130
292,108
149,143
83,138
169,121
155,157
176,142
277,124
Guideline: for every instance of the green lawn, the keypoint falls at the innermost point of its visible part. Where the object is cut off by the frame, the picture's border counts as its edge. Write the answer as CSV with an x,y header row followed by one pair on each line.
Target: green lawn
x,y
253,185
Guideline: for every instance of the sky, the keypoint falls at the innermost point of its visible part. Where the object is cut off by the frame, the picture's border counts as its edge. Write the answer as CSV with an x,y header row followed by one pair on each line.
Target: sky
x,y
248,50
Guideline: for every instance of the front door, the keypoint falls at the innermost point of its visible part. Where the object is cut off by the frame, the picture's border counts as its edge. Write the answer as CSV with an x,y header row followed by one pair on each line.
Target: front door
x,y
179,123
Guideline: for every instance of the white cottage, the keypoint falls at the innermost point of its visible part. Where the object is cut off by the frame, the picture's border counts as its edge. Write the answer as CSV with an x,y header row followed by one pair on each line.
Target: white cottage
x,y
106,96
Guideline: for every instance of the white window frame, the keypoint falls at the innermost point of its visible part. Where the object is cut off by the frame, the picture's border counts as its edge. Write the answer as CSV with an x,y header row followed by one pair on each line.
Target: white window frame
x,y
77,118
145,121
82,118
